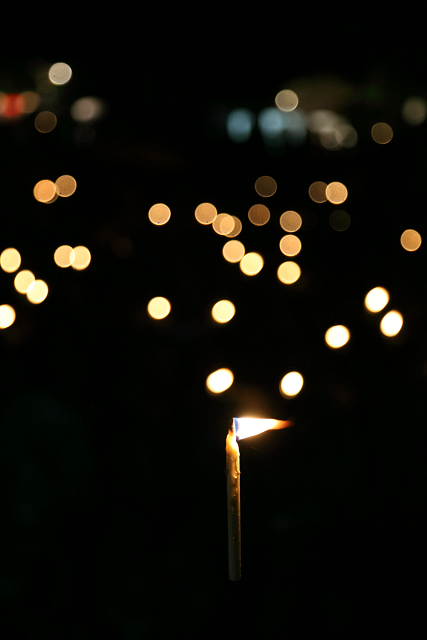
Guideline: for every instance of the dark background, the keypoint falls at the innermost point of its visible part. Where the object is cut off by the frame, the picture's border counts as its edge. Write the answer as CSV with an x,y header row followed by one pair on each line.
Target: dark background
x,y
112,453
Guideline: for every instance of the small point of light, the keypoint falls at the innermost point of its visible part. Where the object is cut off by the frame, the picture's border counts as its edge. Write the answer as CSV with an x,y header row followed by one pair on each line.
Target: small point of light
x,y
237,228
7,316
10,260
290,221
158,308
291,384
87,109
219,380
337,336
288,272
159,214
259,215
376,299
45,121
286,100
317,191
251,264
223,311
336,192
382,133
410,240
23,280
233,251
82,258
290,245
37,291
205,213
339,220
391,324
240,123
64,256
266,186
65,186
223,224
60,73
414,111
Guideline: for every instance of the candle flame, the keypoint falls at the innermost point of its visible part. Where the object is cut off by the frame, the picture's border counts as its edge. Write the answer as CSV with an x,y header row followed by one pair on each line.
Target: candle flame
x,y
246,427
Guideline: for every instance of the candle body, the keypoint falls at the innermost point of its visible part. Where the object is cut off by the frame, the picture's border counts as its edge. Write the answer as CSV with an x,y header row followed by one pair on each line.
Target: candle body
x,y
233,505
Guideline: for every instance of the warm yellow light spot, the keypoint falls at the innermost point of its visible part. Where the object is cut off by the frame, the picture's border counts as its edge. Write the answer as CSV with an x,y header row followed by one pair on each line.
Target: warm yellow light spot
x,y
64,256
65,186
45,121
82,258
31,101
223,311
60,73
233,251
86,109
266,186
337,336
247,427
291,384
158,308
290,245
391,324
23,280
251,264
286,100
259,214
290,221
159,214
223,224
7,316
37,291
336,192
339,220
219,380
376,299
237,228
317,191
410,240
205,213
45,191
288,272
10,260
414,111
382,133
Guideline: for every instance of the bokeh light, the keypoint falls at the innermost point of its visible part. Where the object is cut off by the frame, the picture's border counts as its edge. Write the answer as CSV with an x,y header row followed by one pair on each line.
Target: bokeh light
x,y
223,224
159,214
286,100
7,316
31,101
290,221
317,191
45,121
219,380
223,311
337,336
259,214
45,191
205,213
65,186
288,272
158,308
272,123
336,192
237,228
339,220
410,240
82,258
251,263
60,73
64,256
37,291
290,245
23,280
291,384
391,324
233,251
376,299
414,111
382,133
266,186
87,109
10,260
240,123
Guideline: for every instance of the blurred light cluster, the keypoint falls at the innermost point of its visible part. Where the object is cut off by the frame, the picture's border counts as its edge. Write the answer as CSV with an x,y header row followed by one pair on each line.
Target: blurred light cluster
x,y
331,130
376,300
78,258
334,192
47,192
25,281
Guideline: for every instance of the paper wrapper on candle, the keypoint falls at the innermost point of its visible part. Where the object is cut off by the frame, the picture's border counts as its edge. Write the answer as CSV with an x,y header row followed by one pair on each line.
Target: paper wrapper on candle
x,y
233,504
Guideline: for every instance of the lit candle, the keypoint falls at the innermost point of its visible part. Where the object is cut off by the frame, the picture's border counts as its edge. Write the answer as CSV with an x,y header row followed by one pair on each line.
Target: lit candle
x,y
240,428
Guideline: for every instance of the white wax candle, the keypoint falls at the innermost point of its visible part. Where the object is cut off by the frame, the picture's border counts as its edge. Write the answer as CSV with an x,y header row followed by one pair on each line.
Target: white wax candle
x,y
233,504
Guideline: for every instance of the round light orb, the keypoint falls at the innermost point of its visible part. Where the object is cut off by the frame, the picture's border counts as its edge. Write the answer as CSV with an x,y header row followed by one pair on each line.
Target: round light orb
x,y
291,384
391,324
60,73
376,299
223,311
219,380
337,336
7,316
158,308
